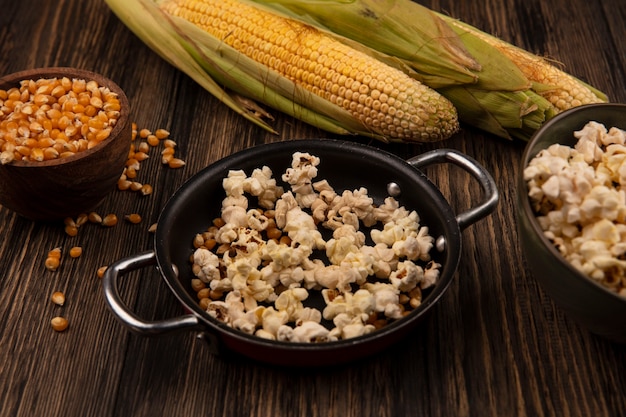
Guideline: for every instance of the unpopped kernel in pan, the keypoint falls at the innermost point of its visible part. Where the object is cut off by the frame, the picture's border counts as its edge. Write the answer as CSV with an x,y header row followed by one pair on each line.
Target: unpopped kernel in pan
x,y
256,267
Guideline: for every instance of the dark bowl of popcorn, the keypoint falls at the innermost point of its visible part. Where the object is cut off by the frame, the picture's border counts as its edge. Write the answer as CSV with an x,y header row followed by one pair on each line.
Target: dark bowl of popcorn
x,y
572,215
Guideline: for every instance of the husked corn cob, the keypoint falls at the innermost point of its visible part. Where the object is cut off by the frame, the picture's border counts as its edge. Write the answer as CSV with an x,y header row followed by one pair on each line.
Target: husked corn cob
x,y
385,100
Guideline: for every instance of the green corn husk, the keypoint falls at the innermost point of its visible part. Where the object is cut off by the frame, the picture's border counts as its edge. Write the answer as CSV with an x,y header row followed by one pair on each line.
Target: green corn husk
x,y
488,89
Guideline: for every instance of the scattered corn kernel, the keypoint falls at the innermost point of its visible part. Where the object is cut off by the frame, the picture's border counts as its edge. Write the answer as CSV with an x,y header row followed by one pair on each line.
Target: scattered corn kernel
x,y
176,163
81,219
143,147
162,133
71,230
141,156
152,228
53,260
144,133
165,159
123,184
100,272
133,218
76,251
58,298
146,189
59,323
131,173
168,150
109,220
94,217
133,162
152,140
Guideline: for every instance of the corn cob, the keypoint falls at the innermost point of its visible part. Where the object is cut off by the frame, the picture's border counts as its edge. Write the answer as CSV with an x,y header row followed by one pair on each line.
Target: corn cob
x,y
293,68
512,92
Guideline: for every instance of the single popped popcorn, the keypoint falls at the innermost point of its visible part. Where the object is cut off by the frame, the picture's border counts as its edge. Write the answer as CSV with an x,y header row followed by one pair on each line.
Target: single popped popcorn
x,y
208,265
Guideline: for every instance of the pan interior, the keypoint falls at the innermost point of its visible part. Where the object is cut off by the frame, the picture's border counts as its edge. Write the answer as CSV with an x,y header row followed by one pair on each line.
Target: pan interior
x,y
345,165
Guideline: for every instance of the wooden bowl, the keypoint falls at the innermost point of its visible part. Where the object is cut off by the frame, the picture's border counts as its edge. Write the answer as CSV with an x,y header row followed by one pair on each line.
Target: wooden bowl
x,y
64,187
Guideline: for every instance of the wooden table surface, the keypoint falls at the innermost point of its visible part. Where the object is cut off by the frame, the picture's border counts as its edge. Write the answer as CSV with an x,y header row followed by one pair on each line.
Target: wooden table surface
x,y
495,345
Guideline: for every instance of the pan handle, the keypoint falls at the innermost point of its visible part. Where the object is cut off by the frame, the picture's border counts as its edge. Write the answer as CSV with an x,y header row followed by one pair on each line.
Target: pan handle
x,y
475,169
123,313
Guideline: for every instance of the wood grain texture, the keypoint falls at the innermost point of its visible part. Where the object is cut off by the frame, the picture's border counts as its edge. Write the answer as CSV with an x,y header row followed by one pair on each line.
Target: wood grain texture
x,y
494,346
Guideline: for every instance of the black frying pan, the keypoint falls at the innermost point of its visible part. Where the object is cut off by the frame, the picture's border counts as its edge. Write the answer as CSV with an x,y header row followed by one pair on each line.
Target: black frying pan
x,y
346,165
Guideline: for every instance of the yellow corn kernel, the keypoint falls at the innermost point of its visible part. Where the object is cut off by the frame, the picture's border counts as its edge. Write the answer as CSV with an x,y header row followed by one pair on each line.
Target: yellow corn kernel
x,y
94,217
76,251
133,218
111,105
384,99
131,173
176,163
81,219
45,142
152,140
6,157
141,156
162,133
50,153
53,259
100,272
58,298
52,264
109,220
23,150
146,189
143,147
133,162
37,154
204,303
59,323
165,159
71,230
